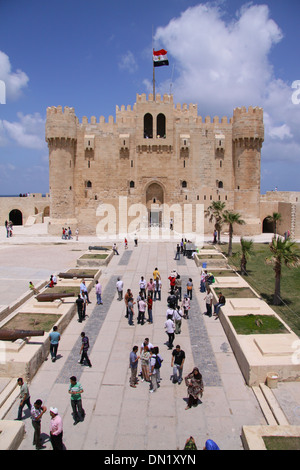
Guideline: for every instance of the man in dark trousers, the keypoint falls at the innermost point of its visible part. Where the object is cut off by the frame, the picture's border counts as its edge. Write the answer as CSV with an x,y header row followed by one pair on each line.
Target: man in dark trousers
x,y
79,303
84,350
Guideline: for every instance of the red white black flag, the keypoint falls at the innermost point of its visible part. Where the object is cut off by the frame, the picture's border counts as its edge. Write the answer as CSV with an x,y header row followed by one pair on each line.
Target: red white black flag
x,y
160,58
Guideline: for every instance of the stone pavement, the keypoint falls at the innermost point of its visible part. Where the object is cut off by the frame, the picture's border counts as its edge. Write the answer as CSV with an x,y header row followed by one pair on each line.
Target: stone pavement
x,y
119,417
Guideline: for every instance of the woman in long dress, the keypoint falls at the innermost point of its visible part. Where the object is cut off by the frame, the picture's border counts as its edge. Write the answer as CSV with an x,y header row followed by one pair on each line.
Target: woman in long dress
x,y
145,363
195,387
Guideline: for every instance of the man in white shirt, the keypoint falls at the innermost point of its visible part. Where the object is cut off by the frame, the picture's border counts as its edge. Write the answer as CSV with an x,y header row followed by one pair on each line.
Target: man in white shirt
x,y
83,290
178,314
170,329
143,285
142,309
119,286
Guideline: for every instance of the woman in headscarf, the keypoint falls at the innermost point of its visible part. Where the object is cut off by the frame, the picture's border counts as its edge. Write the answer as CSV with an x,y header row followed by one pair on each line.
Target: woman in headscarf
x,y
195,387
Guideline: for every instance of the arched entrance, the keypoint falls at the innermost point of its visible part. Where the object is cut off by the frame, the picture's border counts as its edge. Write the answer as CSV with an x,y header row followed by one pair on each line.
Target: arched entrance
x,y
268,226
16,217
154,202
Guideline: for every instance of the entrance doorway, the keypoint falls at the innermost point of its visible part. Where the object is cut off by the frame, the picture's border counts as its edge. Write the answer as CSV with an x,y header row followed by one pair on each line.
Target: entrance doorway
x,y
268,226
15,216
154,202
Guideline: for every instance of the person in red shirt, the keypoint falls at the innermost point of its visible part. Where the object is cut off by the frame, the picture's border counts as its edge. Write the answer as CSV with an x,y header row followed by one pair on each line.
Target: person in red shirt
x,y
150,303
172,280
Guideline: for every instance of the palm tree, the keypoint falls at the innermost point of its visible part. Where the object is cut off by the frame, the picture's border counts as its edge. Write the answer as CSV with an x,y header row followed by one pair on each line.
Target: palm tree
x,y
214,212
283,251
231,218
246,253
274,219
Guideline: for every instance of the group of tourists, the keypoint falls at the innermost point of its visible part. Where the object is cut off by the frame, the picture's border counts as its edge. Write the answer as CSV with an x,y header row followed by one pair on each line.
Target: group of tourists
x,y
206,280
38,409
145,362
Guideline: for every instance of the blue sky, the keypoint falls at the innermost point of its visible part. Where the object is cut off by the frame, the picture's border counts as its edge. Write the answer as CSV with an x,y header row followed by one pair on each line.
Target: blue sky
x,y
93,55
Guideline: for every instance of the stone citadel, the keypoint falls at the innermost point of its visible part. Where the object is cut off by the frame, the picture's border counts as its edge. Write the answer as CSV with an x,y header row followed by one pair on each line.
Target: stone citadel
x,y
154,162
155,154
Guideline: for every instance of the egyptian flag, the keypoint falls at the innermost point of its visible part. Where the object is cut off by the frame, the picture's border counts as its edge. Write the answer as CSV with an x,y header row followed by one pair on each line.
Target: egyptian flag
x,y
160,58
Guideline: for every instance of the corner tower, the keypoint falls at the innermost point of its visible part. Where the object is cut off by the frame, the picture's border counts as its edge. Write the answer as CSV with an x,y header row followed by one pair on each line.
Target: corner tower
x,y
61,136
247,137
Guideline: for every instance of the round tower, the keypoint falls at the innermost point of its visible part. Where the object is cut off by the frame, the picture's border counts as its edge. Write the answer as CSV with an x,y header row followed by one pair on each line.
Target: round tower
x,y
61,136
248,137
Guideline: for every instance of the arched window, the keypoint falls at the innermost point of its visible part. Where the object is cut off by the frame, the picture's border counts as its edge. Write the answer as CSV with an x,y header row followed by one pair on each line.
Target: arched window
x,y
148,126
220,184
161,126
184,184
88,184
131,184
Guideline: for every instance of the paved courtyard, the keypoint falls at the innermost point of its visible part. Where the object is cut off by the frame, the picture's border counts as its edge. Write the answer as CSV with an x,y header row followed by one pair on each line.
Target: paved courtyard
x,y
119,417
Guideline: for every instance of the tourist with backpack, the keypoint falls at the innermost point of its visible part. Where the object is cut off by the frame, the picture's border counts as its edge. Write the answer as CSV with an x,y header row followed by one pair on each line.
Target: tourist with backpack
x,y
158,363
153,372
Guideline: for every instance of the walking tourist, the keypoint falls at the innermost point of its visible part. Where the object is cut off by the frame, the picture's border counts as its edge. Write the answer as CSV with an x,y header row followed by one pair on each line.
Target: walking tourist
x,y
76,390
54,341
133,365
85,344
24,397
145,363
186,305
130,311
56,430
150,305
209,302
80,305
153,374
37,412
84,291
178,314
119,286
177,361
170,329
189,288
142,309
98,289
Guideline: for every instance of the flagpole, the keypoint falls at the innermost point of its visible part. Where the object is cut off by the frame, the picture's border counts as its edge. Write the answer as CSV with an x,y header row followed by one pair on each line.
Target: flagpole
x,y
153,67
153,80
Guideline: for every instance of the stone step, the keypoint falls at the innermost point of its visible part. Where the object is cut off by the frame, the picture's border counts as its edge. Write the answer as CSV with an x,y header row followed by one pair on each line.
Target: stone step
x,y
8,396
269,417
274,406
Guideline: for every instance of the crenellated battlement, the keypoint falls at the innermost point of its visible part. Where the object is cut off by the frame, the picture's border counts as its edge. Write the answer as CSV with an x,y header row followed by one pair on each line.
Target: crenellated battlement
x,y
61,124
256,112
248,124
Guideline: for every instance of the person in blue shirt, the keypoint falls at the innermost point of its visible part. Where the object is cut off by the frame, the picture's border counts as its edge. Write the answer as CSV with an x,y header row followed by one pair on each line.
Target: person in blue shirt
x,y
54,340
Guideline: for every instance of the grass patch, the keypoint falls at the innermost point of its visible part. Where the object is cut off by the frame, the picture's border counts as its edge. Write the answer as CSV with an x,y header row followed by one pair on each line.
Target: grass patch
x,y
211,256
94,256
281,442
63,290
257,324
224,273
236,292
262,278
32,321
82,272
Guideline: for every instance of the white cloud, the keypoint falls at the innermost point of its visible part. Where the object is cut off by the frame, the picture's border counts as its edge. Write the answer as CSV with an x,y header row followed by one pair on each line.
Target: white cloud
x,y
28,132
221,64
14,81
128,62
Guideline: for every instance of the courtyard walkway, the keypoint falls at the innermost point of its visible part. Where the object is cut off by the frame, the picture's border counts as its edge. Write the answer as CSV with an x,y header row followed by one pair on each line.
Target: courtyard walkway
x,y
119,417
